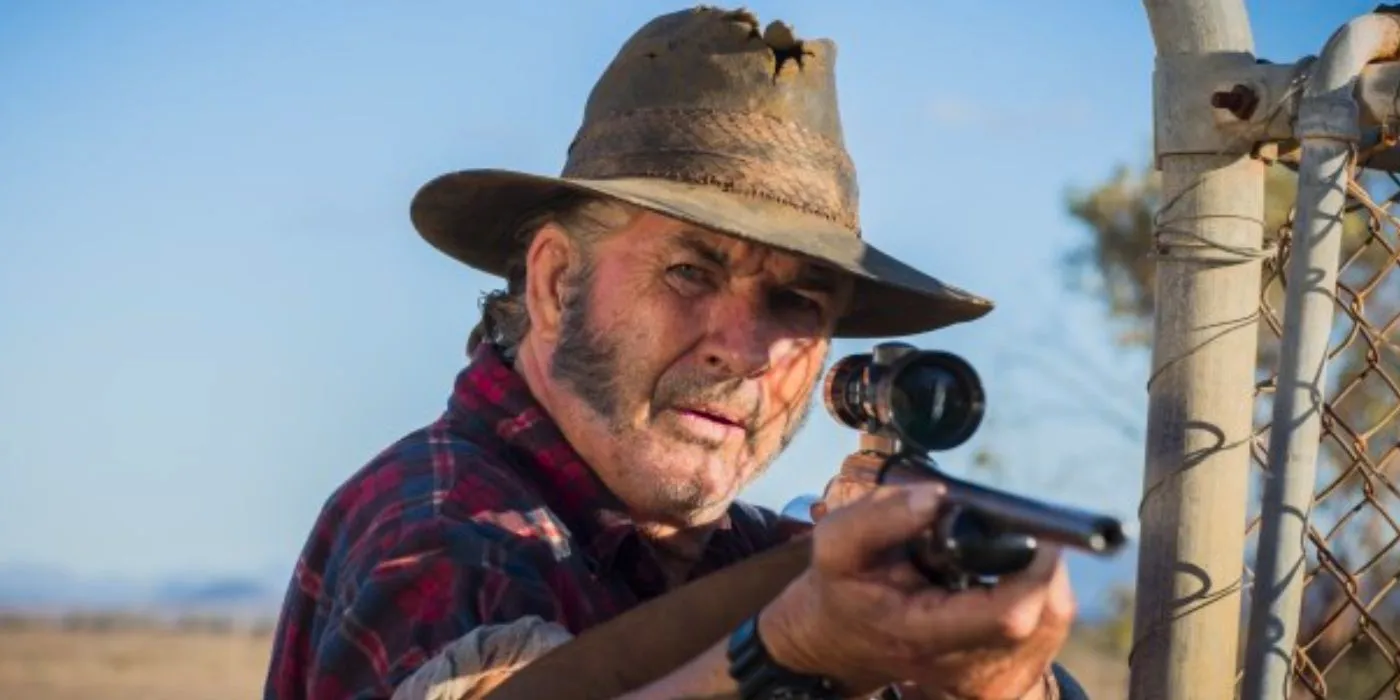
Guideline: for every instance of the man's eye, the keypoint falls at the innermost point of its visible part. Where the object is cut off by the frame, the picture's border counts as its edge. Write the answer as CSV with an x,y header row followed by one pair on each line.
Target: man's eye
x,y
795,302
689,274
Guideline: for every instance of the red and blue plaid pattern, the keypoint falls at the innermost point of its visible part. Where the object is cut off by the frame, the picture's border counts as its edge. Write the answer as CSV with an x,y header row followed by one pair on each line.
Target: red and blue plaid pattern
x,y
485,516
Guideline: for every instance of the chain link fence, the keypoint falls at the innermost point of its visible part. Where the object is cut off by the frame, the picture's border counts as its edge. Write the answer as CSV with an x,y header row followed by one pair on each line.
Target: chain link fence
x,y
1349,638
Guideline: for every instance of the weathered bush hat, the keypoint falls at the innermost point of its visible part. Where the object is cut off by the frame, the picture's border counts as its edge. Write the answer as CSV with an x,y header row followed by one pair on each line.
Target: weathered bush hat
x,y
703,117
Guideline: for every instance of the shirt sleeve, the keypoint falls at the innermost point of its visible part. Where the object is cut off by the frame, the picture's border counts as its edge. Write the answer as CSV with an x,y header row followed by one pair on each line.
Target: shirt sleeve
x,y
424,587
472,666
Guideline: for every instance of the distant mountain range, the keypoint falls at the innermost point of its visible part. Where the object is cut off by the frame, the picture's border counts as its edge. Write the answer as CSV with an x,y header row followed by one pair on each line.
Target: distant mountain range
x,y
39,588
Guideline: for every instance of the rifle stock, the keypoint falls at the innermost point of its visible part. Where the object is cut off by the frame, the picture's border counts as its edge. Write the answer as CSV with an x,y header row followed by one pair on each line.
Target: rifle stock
x,y
653,639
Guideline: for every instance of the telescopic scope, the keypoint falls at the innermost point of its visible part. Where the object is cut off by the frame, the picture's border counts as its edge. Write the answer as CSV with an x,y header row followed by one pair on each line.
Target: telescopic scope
x,y
930,400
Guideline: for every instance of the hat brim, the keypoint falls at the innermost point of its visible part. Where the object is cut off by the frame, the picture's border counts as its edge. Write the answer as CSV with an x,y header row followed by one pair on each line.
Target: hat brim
x,y
470,216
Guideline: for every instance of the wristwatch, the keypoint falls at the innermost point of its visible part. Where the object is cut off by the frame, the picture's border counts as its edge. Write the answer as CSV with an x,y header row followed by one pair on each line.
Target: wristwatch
x,y
761,678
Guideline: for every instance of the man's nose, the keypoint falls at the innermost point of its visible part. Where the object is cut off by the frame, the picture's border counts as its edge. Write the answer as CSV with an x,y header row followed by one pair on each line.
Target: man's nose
x,y
741,341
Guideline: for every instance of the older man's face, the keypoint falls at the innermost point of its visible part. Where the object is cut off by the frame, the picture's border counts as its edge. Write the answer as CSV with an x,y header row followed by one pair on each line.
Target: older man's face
x,y
696,353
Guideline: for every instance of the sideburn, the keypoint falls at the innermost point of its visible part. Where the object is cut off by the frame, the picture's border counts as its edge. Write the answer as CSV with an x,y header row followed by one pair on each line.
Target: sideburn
x,y
588,362
585,360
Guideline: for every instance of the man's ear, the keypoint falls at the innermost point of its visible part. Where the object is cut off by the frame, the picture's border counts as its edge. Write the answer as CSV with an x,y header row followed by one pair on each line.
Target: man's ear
x,y
547,265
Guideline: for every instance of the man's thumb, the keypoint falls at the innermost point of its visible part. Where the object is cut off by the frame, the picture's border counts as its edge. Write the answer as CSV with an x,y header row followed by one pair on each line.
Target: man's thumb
x,y
856,536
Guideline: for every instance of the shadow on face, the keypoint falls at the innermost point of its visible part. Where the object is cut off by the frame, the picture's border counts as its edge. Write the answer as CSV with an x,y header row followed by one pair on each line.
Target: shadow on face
x,y
693,355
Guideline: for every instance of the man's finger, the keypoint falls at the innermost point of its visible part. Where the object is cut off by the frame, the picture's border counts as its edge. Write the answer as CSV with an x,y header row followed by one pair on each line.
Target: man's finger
x,y
1060,603
1047,564
1003,613
855,537
1027,594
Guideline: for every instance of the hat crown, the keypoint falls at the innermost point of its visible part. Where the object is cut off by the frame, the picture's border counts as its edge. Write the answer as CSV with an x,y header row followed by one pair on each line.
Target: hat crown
x,y
704,97
705,118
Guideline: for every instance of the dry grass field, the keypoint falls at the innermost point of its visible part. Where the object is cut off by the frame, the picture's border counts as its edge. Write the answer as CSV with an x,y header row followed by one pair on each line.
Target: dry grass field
x,y
127,661
51,661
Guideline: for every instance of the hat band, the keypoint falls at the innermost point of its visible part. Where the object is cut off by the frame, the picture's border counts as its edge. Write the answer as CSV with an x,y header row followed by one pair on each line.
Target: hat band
x,y
748,154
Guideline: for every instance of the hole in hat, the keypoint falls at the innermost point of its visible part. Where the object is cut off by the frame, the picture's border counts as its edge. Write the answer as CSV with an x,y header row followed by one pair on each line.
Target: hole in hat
x,y
785,45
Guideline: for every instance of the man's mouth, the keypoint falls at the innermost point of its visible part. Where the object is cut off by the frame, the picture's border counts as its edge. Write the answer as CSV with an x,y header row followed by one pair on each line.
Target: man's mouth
x,y
712,415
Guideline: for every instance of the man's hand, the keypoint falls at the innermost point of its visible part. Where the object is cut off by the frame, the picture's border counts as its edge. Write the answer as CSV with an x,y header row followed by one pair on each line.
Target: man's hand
x,y
862,615
856,478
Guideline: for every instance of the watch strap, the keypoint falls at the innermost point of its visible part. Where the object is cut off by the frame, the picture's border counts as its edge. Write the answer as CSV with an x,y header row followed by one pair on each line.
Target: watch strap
x,y
759,677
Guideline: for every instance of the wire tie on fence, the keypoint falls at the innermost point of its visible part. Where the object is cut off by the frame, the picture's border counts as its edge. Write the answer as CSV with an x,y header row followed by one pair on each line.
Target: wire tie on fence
x,y
1156,625
1191,458
1228,327
1169,242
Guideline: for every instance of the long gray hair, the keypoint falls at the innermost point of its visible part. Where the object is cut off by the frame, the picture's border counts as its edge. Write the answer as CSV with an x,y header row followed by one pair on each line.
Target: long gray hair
x,y
585,218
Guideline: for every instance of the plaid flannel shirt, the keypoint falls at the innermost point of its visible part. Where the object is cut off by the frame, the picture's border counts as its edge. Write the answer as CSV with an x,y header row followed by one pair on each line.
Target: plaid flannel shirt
x,y
485,517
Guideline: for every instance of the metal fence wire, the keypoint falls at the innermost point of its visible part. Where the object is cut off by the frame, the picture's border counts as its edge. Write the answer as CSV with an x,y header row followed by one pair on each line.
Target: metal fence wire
x,y
1349,630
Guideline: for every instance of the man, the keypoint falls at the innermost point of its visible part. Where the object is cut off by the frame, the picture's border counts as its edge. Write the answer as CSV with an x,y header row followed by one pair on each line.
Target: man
x,y
669,305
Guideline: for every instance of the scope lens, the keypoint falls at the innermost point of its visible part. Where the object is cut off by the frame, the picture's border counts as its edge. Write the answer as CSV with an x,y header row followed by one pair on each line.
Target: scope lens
x,y
847,394
936,401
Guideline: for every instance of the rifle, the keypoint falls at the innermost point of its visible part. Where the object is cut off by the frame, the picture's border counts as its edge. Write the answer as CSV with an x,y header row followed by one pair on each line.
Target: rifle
x,y
906,403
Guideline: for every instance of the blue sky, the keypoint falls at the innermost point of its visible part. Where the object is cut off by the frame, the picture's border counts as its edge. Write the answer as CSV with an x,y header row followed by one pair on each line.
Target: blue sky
x,y
214,307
